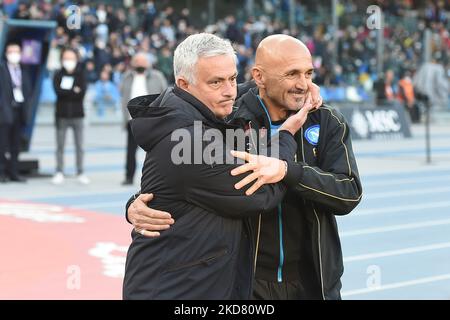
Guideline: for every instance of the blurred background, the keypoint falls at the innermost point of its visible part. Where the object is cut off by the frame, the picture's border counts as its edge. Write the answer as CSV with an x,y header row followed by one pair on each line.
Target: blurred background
x,y
384,64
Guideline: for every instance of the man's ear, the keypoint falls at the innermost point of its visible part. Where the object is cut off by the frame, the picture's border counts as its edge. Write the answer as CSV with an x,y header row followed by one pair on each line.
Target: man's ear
x,y
182,83
258,77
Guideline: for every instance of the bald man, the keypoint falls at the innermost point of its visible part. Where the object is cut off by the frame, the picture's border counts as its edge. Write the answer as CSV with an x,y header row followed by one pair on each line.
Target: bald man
x,y
139,81
298,252
298,249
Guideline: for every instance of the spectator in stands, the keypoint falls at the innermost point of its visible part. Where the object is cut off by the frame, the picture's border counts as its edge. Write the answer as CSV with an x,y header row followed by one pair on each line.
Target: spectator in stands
x,y
431,80
384,88
356,52
106,94
406,96
165,64
91,75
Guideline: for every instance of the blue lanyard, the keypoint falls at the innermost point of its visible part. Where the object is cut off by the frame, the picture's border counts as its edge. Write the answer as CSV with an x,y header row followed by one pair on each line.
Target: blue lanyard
x,y
16,75
265,109
273,127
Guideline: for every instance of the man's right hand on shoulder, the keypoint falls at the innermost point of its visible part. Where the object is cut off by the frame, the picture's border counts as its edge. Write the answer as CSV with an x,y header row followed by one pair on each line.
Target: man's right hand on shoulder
x,y
148,221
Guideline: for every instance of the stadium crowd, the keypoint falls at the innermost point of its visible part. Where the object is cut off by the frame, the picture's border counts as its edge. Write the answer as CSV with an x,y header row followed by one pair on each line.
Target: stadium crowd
x,y
110,34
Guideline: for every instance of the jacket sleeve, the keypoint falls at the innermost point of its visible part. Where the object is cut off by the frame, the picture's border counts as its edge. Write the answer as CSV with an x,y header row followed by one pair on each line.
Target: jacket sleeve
x,y
57,85
244,87
287,147
211,186
335,181
82,84
129,202
80,81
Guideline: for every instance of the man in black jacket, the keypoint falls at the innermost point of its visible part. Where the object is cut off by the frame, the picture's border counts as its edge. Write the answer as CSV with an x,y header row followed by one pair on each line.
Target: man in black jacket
x,y
70,87
209,254
15,97
299,253
298,247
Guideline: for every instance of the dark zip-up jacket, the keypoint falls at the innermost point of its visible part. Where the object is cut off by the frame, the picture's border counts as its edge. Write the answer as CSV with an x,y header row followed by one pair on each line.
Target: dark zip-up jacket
x,y
69,104
208,253
299,239
7,102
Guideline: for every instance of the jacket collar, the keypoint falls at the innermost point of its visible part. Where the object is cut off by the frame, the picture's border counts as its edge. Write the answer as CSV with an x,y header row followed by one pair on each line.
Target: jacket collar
x,y
209,116
249,109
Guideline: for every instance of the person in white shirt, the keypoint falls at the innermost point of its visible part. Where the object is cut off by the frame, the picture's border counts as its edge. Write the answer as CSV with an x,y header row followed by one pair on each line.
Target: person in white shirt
x,y
141,80
431,81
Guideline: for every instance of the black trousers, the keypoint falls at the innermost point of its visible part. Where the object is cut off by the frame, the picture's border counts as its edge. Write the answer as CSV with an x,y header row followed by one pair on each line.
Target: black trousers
x,y
10,141
414,112
131,154
287,290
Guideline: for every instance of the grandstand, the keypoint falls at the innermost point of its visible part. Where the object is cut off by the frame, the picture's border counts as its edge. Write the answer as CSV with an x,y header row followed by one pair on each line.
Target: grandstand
x,y
346,60
400,230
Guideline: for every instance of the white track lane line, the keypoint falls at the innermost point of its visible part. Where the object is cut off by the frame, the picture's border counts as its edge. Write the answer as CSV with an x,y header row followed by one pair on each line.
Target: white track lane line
x,y
406,226
391,253
396,285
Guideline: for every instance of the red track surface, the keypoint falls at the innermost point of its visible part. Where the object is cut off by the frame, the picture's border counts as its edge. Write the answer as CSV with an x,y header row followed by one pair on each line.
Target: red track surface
x,y
67,254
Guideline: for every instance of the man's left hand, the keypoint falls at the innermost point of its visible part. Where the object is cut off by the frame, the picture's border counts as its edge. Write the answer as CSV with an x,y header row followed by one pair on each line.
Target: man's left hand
x,y
265,170
316,99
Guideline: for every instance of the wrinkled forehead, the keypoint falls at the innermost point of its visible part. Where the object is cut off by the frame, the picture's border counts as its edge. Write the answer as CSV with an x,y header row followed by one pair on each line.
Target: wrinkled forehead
x,y
222,66
285,55
287,63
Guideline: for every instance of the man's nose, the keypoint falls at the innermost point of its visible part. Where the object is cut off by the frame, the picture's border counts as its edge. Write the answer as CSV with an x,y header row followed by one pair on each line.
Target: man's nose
x,y
302,83
229,89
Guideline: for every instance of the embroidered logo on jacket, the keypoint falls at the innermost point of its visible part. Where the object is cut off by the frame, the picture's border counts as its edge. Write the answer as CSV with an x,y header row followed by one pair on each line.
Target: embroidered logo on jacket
x,y
312,134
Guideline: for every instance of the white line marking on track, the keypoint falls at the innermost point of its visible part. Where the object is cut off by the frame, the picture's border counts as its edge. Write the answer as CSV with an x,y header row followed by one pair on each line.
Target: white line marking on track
x,y
396,285
382,254
393,194
404,181
406,226
394,209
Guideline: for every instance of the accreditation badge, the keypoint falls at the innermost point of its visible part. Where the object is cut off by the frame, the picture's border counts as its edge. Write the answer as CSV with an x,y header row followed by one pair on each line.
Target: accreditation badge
x,y
18,95
67,83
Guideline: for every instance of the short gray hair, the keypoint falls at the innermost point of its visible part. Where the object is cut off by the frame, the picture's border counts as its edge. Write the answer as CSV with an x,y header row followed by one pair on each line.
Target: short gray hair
x,y
197,46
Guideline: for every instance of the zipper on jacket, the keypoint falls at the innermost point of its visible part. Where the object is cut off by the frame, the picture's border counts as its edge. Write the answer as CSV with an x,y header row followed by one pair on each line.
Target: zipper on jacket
x,y
257,244
320,253
318,227
259,218
280,228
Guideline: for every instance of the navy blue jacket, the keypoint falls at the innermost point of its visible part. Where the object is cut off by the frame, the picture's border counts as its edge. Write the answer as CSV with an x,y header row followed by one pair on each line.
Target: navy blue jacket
x,y
7,97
